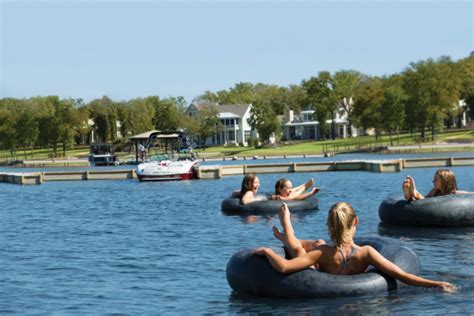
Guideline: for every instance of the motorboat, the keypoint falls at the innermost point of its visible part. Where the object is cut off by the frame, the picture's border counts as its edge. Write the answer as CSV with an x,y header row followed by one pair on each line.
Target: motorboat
x,y
168,163
165,170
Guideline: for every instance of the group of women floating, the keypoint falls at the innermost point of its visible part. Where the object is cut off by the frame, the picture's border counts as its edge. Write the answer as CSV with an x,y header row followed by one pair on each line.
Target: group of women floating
x,y
344,257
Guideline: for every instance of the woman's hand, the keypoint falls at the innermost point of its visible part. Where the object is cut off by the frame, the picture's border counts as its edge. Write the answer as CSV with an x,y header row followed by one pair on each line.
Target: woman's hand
x,y
309,184
260,251
447,287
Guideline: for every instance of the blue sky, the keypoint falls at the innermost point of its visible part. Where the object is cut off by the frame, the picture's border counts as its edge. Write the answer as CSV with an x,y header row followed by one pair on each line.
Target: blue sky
x,y
127,49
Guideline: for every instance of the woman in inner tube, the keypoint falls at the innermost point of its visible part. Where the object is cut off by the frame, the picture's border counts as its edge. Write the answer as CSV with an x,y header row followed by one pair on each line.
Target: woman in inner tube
x,y
444,183
345,257
284,190
248,190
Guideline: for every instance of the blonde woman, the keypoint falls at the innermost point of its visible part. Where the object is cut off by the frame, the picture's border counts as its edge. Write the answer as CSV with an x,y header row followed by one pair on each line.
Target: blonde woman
x,y
444,183
344,257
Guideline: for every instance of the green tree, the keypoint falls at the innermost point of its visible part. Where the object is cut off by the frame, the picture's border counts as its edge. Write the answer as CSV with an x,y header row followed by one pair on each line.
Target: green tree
x,y
8,124
264,121
205,124
167,114
433,90
320,96
465,72
368,103
346,83
392,111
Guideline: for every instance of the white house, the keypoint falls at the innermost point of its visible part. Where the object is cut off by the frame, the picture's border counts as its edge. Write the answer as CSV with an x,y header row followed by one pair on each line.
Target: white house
x,y
235,128
304,126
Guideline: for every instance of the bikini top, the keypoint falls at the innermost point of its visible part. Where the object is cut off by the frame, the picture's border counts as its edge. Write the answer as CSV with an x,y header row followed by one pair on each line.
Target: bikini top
x,y
345,260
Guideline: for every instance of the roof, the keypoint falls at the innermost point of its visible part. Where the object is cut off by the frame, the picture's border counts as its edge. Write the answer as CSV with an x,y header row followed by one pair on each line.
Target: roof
x,y
237,109
145,135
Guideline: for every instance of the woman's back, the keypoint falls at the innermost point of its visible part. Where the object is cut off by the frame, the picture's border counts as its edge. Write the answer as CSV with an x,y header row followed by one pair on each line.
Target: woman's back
x,y
338,261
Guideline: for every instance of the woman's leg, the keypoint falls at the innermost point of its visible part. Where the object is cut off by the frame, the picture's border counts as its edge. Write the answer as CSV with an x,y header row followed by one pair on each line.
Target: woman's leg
x,y
292,244
307,245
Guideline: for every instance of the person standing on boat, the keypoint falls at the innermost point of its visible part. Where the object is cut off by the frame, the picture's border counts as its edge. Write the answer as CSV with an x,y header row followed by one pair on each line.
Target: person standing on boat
x,y
142,151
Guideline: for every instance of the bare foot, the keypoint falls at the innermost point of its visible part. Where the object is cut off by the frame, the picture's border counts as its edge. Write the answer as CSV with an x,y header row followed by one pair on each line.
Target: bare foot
x,y
309,184
278,234
406,190
284,215
314,190
413,191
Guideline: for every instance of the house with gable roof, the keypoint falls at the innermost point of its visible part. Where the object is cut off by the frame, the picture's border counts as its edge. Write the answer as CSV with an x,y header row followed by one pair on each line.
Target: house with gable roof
x,y
235,128
305,126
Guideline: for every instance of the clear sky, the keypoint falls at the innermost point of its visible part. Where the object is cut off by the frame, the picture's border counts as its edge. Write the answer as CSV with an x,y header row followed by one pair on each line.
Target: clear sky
x,y
126,49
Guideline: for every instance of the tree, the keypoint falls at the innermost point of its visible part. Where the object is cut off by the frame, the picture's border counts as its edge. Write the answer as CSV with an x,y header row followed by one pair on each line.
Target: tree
x,y
208,97
241,93
393,106
263,120
346,83
433,90
104,113
368,103
167,115
205,124
320,96
136,116
8,123
465,72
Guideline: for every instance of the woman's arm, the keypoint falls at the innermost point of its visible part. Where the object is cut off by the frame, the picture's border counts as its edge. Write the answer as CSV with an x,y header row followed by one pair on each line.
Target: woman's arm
x,y
247,198
391,269
283,265
306,195
300,189
463,192
301,196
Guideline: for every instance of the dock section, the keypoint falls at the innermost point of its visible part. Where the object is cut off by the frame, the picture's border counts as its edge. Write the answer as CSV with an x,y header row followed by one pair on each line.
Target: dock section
x,y
219,171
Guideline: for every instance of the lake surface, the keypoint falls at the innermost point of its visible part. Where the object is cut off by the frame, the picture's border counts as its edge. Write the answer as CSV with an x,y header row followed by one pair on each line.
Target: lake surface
x,y
126,247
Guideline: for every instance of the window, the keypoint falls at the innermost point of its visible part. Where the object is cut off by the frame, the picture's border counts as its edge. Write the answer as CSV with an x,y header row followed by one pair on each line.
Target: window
x,y
231,136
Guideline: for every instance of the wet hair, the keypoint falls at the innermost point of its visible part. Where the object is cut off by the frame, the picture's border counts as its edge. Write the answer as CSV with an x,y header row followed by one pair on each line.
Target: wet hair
x,y
280,184
448,182
340,220
247,183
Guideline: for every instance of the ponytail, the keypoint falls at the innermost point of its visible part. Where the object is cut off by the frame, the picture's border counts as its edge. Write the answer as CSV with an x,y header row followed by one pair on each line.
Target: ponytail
x,y
340,220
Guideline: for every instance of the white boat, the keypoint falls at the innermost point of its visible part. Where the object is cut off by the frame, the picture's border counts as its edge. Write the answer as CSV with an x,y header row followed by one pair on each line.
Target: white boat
x,y
165,170
161,167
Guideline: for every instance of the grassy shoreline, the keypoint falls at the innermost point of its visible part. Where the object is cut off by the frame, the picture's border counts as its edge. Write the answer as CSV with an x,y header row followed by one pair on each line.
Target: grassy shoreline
x,y
338,146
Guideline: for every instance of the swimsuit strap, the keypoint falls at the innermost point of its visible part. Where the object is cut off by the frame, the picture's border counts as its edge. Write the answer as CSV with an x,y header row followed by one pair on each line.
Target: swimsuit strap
x,y
345,260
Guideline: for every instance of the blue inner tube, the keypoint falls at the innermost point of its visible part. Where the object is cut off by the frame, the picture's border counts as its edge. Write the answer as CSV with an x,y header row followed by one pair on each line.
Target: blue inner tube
x,y
454,210
253,275
263,204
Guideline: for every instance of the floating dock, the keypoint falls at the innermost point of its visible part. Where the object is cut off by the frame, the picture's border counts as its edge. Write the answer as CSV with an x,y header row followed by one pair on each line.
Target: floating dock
x,y
217,171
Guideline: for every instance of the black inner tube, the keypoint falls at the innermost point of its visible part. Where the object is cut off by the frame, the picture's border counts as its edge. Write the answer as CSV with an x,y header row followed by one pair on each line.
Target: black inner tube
x,y
253,275
454,210
263,204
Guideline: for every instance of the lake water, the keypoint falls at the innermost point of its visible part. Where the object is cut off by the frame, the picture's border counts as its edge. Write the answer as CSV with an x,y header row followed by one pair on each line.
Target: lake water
x,y
126,247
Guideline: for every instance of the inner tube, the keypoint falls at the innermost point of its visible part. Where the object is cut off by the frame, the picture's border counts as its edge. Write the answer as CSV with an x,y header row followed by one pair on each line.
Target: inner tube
x,y
263,204
454,210
253,275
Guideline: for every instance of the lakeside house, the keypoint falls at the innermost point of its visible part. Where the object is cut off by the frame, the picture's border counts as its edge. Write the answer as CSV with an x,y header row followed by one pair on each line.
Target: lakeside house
x,y
305,126
235,128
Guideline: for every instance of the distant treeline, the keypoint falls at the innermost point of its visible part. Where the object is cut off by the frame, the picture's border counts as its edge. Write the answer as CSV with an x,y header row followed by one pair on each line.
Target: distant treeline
x,y
419,98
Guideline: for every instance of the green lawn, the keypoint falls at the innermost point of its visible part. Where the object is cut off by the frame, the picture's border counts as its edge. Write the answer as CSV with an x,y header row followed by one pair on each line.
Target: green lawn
x,y
306,147
338,145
